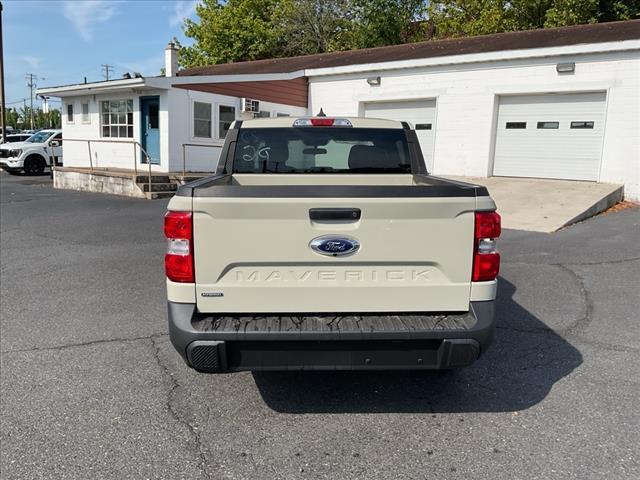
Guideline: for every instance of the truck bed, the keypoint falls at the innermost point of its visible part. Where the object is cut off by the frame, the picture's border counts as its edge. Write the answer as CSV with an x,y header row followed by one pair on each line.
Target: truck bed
x,y
350,186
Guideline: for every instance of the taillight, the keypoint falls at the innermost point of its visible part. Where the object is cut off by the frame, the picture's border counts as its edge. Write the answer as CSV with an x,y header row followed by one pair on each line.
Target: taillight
x,y
486,259
178,262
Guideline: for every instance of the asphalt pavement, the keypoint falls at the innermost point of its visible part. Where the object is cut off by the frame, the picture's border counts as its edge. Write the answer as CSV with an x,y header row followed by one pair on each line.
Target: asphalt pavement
x,y
91,387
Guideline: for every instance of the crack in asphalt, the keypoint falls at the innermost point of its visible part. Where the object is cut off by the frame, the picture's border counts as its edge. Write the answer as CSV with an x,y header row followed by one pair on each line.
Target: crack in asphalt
x,y
83,344
175,413
584,318
575,264
574,330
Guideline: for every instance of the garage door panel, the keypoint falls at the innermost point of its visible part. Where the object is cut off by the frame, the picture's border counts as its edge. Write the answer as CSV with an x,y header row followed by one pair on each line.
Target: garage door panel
x,y
563,152
421,114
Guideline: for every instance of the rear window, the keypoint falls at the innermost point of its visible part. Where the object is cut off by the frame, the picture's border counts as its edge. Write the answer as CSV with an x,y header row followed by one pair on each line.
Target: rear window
x,y
321,150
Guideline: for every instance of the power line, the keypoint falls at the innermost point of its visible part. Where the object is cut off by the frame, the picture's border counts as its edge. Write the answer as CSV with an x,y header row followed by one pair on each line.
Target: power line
x,y
106,70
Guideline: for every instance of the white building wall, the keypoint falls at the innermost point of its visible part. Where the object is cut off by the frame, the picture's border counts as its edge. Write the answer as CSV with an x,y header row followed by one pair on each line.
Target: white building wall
x,y
467,96
108,152
202,154
197,158
176,129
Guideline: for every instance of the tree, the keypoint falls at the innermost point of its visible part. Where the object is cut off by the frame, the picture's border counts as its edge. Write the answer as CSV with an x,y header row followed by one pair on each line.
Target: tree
x,y
230,31
611,10
459,18
312,26
237,30
388,22
572,12
12,117
20,119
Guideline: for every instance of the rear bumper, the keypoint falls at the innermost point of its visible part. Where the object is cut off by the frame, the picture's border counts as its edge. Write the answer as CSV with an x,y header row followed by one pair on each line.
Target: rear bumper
x,y
218,344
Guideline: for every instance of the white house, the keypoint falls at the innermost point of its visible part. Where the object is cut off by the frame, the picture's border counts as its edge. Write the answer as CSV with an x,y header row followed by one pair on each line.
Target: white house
x,y
109,124
555,103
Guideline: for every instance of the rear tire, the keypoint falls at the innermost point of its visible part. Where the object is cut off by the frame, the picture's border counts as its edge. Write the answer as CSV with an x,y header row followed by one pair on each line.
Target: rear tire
x,y
34,165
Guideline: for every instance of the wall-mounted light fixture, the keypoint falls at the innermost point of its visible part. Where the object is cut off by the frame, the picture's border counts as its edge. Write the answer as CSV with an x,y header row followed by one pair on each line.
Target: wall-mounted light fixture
x,y
374,81
568,67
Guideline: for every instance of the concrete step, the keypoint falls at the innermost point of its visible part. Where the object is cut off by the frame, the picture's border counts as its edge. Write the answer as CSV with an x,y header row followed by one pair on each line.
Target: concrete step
x,y
158,195
159,187
154,179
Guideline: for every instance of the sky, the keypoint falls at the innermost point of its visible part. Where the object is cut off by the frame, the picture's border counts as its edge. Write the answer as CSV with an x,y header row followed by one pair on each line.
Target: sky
x,y
61,42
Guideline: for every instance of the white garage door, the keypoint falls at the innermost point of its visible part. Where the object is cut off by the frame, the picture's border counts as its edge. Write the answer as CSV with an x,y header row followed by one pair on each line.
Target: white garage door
x,y
421,114
550,136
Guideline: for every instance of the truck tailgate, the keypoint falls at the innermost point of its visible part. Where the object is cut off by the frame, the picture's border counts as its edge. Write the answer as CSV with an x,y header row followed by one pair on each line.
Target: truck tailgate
x,y
253,255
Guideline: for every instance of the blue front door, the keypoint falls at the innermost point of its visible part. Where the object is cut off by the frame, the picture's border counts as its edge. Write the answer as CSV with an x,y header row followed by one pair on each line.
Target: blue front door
x,y
150,120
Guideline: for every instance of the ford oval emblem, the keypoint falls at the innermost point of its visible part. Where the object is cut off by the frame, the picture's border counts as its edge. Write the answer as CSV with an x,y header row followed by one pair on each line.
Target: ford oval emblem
x,y
334,246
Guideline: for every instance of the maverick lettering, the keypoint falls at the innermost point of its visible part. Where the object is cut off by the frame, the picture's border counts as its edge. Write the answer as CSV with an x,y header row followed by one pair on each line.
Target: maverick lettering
x,y
415,275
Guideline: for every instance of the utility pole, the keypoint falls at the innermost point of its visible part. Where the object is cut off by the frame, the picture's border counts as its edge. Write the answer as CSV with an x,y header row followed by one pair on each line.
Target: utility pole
x,y
106,70
2,99
31,83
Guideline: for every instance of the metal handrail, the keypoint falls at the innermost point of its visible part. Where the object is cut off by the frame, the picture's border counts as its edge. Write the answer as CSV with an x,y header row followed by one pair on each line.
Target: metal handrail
x,y
184,154
135,144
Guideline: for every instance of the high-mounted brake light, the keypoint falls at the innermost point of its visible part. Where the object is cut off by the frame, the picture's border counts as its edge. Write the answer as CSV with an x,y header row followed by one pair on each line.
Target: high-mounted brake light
x,y
322,122
486,259
178,261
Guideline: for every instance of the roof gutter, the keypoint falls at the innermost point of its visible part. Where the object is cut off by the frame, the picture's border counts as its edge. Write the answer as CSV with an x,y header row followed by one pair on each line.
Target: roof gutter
x,y
99,87
249,77
627,45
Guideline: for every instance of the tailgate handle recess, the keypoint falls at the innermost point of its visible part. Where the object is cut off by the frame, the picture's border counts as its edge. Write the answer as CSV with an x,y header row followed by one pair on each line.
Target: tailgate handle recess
x,y
334,214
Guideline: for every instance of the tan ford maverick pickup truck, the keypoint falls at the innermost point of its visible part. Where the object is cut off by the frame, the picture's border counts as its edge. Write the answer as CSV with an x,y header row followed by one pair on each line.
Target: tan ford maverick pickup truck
x,y
324,244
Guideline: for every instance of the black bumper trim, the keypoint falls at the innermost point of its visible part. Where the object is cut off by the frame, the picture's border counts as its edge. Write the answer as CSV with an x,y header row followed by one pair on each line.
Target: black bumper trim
x,y
417,341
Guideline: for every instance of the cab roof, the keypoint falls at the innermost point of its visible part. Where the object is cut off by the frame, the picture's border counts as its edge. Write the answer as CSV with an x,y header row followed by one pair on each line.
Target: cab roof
x,y
356,122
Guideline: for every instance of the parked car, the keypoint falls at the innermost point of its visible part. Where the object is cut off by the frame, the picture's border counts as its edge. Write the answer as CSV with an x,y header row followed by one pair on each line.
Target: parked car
x,y
34,154
17,137
323,244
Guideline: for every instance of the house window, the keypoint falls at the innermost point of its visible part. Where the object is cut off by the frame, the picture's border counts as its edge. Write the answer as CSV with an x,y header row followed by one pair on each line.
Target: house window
x,y
201,120
424,126
516,125
226,116
548,125
69,112
117,118
581,124
263,114
280,114
85,113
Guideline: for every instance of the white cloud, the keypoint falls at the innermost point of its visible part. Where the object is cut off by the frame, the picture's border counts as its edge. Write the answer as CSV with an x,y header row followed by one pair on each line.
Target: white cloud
x,y
85,15
33,62
181,10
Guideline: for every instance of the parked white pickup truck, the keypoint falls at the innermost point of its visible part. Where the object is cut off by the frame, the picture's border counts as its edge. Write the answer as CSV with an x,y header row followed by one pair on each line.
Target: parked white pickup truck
x,y
324,244
34,154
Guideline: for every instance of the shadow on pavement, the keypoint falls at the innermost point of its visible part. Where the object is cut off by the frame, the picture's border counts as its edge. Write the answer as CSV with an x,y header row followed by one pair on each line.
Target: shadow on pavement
x,y
518,371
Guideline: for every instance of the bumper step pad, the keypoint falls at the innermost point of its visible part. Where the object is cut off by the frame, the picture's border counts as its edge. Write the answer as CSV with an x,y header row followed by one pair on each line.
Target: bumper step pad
x,y
329,326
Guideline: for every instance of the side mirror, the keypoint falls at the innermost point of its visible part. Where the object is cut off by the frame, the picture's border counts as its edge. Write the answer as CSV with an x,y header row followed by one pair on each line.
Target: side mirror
x,y
55,143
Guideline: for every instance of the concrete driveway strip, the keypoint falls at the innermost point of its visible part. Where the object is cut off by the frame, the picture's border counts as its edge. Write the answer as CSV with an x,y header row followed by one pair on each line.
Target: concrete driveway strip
x,y
90,386
541,205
